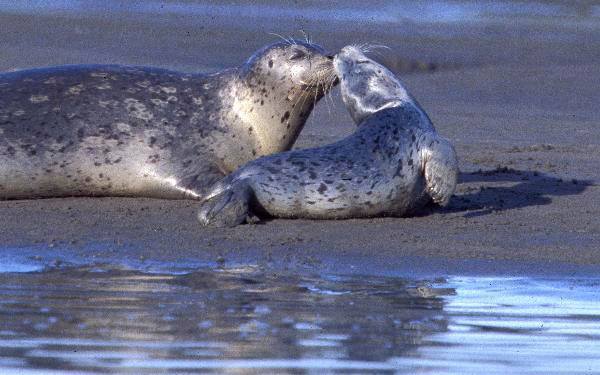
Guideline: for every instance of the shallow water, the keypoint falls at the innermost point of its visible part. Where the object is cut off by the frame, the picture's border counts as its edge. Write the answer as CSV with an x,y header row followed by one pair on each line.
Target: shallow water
x,y
246,319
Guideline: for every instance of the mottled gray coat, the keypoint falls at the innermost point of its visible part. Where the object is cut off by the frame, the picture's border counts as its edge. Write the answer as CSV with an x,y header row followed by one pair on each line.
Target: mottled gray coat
x,y
135,131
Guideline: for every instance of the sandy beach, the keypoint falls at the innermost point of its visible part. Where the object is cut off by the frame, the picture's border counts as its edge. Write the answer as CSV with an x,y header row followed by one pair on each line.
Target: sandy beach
x,y
517,96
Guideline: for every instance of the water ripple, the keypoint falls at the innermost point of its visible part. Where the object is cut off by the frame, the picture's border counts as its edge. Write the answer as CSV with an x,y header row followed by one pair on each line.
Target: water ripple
x,y
100,319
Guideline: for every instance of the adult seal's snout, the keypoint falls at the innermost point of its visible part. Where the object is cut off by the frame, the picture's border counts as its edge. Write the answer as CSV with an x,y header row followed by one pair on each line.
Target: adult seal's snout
x,y
138,131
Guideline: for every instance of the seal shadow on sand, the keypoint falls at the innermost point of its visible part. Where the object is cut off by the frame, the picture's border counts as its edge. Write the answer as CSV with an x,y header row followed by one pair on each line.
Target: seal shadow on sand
x,y
532,188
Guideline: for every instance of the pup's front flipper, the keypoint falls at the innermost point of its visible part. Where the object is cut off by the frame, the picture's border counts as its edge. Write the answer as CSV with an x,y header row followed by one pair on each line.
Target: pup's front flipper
x,y
440,168
226,205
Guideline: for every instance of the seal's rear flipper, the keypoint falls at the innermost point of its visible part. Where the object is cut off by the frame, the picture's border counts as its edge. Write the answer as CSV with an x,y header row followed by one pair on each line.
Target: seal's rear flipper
x,y
440,168
225,206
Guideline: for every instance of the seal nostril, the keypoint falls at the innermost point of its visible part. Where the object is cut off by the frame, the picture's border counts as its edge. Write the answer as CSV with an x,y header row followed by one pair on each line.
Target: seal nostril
x,y
330,56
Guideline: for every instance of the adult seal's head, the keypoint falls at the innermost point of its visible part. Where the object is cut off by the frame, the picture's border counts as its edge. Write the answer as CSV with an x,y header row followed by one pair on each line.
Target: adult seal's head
x,y
277,89
292,64
392,165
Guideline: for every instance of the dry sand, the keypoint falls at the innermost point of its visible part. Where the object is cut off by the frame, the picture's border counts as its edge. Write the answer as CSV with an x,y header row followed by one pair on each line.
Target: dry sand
x,y
518,99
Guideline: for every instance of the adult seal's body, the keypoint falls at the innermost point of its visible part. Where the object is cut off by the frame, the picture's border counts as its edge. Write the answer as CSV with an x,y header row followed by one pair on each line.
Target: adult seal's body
x,y
393,164
133,131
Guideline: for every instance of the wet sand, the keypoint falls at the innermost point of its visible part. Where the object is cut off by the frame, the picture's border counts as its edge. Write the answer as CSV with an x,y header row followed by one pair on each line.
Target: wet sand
x,y
518,98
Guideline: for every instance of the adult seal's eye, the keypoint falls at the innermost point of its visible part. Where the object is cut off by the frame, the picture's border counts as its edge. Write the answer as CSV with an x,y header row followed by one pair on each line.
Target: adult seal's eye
x,y
297,54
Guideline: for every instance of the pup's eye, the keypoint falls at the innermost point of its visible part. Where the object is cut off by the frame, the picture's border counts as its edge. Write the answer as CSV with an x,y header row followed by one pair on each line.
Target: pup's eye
x,y
297,54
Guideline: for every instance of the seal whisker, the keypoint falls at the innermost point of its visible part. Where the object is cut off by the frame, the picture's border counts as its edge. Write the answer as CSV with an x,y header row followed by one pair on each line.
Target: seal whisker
x,y
306,36
302,94
306,93
313,83
358,46
302,98
281,37
323,83
327,104
373,48
380,46
317,90
362,46
329,81
332,82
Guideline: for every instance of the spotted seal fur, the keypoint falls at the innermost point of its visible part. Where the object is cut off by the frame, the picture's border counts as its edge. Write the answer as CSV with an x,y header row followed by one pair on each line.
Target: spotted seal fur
x,y
113,130
393,164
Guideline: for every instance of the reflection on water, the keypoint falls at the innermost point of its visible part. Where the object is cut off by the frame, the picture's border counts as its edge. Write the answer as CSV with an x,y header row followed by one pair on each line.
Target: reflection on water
x,y
98,319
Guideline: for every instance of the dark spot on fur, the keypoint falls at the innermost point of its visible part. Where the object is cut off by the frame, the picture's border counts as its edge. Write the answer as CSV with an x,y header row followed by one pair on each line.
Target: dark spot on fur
x,y
322,188
272,169
398,169
312,175
270,63
286,116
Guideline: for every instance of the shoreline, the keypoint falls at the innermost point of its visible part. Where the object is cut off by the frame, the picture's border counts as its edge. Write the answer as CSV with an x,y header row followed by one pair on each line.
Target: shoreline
x,y
42,258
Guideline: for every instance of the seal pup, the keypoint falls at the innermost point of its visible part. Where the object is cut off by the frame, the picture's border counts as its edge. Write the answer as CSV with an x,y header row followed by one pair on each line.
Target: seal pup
x,y
108,130
393,164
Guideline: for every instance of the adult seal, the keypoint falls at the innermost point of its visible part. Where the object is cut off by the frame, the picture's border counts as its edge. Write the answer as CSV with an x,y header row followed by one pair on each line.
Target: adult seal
x,y
107,130
393,164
